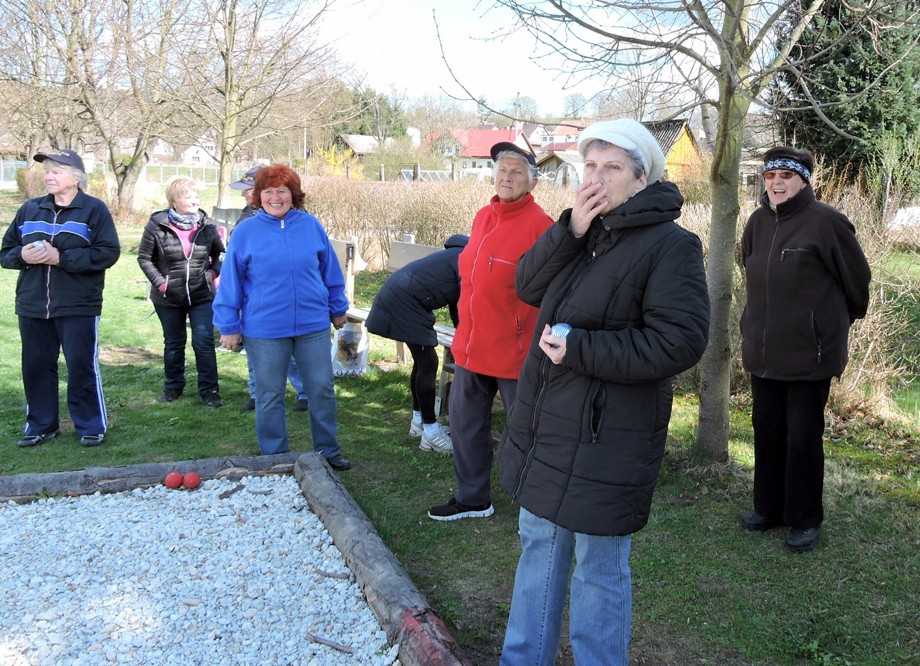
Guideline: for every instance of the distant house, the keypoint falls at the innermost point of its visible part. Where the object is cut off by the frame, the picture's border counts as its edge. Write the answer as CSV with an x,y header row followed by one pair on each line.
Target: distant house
x,y
683,159
535,134
361,144
471,148
199,153
562,167
564,133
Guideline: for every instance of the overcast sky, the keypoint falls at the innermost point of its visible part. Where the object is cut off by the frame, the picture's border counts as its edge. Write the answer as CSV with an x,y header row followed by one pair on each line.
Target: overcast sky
x,y
395,43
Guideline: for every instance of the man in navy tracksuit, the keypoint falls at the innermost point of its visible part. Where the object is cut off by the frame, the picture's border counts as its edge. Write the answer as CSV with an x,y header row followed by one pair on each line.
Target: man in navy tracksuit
x,y
61,244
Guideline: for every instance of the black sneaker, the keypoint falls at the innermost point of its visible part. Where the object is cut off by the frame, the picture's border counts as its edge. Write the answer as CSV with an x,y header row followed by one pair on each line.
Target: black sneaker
x,y
92,440
803,540
212,399
453,510
169,395
35,440
248,406
755,522
301,405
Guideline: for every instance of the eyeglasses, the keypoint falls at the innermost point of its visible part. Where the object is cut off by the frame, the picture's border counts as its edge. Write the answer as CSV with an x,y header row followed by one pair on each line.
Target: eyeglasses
x,y
785,175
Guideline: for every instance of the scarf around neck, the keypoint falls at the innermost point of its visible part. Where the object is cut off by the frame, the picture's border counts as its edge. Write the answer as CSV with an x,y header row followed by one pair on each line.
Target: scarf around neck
x,y
184,222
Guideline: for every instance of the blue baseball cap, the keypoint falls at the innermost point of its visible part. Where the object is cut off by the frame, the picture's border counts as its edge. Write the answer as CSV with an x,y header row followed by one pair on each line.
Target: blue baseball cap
x,y
61,156
247,182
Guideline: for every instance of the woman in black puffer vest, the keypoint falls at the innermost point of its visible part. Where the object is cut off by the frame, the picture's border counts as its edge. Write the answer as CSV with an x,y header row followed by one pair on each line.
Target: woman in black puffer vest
x,y
180,253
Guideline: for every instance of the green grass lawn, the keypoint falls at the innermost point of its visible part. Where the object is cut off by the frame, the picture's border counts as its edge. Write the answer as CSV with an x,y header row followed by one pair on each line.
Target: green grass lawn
x,y
706,592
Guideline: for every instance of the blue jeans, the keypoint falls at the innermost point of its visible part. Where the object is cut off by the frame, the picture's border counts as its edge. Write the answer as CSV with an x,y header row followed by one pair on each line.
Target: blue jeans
x,y
270,358
174,338
293,376
600,608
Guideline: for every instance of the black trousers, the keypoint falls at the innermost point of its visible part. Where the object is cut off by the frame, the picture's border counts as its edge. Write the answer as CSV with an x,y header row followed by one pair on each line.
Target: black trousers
x,y
788,420
42,343
422,380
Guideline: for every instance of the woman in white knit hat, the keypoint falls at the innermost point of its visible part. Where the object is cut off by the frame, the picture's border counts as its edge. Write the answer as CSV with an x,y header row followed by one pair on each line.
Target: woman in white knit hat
x,y
584,440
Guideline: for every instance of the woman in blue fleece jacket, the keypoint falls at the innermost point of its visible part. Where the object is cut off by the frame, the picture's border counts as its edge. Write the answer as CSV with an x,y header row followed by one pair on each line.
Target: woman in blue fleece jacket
x,y
281,286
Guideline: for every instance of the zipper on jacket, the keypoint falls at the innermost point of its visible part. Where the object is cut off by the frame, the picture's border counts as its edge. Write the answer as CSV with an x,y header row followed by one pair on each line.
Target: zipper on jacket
x,y
532,448
493,260
469,338
48,270
537,405
766,294
814,325
782,254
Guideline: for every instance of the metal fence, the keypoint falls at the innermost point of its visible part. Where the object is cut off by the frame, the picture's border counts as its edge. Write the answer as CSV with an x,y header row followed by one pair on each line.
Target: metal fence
x,y
8,169
160,173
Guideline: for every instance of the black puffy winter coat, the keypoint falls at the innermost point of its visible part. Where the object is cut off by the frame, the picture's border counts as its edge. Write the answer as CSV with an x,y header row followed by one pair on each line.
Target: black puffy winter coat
x,y
404,307
584,439
162,259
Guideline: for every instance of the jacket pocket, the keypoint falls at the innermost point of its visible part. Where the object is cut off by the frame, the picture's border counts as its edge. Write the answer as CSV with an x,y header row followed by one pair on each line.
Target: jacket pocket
x,y
598,405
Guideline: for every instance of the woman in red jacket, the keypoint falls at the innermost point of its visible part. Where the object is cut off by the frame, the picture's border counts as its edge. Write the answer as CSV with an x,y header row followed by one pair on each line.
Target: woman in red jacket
x,y
495,326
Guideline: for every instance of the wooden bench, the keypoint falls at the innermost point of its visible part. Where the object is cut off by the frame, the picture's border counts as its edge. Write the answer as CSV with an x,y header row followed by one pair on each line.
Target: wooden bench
x,y
402,253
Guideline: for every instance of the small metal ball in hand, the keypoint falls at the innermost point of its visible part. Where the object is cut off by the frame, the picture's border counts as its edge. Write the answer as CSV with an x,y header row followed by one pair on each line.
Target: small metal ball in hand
x,y
560,330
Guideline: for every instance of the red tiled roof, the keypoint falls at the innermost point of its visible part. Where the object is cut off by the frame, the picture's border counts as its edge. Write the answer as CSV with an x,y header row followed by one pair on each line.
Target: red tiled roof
x,y
478,142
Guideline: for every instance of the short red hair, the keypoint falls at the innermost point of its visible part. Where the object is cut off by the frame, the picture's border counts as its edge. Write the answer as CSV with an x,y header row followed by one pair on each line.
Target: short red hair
x,y
278,175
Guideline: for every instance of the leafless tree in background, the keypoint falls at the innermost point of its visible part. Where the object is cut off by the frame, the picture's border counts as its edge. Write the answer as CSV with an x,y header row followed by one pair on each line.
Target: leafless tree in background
x,y
715,55
98,72
253,55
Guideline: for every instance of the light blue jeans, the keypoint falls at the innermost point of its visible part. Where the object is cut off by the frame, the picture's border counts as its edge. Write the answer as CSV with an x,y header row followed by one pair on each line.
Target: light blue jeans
x,y
270,358
293,375
600,608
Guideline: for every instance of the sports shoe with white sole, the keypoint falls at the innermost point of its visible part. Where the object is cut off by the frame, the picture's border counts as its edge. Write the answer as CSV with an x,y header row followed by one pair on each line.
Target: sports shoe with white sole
x,y
453,510
416,429
439,442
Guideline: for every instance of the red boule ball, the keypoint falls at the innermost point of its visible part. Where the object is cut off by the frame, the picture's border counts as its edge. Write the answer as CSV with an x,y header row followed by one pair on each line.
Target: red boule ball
x,y
191,480
173,480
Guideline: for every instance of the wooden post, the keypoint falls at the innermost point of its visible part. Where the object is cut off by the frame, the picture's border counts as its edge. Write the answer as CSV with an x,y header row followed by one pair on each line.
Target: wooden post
x,y
350,249
382,174
416,172
347,172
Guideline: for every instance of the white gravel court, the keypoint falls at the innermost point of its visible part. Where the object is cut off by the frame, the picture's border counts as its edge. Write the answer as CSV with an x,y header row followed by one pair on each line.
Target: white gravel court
x,y
235,572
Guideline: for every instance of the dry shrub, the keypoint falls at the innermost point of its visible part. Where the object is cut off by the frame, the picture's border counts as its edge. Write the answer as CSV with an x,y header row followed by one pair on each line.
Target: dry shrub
x,y
33,182
378,213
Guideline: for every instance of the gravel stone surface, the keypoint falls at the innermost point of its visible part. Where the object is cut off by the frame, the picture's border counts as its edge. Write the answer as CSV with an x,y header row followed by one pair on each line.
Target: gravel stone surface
x,y
234,572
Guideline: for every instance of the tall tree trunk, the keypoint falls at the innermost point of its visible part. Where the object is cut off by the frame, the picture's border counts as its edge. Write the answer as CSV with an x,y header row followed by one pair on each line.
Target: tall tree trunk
x,y
229,143
126,180
715,366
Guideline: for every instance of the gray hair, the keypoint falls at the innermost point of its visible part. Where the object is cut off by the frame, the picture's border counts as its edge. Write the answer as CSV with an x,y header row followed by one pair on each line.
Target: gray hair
x,y
635,158
531,169
79,176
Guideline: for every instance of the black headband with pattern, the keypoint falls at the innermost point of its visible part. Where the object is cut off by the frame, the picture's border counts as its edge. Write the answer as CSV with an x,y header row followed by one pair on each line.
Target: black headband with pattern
x,y
788,164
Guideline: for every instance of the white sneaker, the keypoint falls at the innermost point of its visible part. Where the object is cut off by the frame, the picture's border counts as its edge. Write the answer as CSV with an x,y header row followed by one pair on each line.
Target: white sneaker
x,y
439,442
416,429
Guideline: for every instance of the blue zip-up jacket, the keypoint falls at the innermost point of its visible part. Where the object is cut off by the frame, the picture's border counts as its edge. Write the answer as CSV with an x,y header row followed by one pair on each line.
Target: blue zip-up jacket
x,y
85,236
280,278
